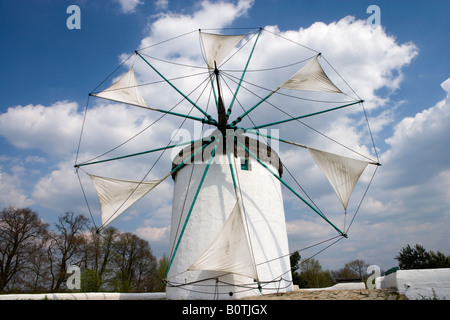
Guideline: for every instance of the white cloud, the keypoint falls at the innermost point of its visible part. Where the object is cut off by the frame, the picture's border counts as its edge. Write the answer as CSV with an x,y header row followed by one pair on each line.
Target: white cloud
x,y
308,229
162,4
153,234
51,129
11,192
128,6
210,15
417,148
59,190
410,195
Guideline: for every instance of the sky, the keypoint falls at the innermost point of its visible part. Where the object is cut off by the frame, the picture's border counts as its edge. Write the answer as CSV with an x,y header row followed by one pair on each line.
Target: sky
x,y
399,68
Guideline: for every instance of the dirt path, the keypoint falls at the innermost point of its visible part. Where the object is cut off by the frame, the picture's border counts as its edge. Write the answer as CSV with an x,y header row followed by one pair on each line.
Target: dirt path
x,y
351,294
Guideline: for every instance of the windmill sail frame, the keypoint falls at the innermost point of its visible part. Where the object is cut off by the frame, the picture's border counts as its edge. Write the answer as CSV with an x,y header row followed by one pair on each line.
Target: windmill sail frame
x,y
227,253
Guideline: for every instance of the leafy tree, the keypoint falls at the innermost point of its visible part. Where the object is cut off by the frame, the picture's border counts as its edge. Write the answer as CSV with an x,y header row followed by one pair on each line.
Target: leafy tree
x,y
439,260
313,275
97,263
162,269
413,258
419,258
295,265
297,278
91,281
134,264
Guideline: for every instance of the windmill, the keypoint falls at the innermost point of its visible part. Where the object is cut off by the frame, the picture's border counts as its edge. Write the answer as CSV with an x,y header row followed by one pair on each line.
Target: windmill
x,y
228,228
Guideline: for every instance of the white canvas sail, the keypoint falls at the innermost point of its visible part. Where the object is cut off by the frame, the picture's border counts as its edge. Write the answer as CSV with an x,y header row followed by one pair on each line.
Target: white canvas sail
x,y
230,251
217,47
125,90
341,172
116,195
311,78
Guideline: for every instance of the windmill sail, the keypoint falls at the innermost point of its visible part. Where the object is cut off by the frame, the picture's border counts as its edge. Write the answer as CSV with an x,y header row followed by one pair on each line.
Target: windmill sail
x,y
230,251
312,78
341,172
125,90
116,195
217,47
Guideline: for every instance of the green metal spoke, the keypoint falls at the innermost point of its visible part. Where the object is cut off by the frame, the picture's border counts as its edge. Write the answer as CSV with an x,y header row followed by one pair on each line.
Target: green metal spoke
x,y
275,138
305,116
162,111
176,89
239,119
243,74
231,167
136,154
370,161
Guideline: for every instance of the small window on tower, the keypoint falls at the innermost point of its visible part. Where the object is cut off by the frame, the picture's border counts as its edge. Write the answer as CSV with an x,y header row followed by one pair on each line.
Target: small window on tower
x,y
245,164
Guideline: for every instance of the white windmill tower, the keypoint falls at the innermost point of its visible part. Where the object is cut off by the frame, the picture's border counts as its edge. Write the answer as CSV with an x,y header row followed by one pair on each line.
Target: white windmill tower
x,y
228,231
230,241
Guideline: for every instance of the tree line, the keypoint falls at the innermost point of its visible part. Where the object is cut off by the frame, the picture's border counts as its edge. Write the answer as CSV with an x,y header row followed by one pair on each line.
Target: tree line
x,y
34,258
308,273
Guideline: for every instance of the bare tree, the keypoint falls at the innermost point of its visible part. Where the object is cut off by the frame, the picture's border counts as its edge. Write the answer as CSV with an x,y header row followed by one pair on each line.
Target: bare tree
x,y
355,269
36,277
35,259
20,233
98,254
66,246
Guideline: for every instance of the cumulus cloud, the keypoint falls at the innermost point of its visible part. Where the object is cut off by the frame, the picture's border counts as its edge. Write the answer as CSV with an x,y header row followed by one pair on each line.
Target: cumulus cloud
x,y
57,190
153,234
210,15
162,4
52,129
415,167
409,198
359,48
11,191
128,6
417,144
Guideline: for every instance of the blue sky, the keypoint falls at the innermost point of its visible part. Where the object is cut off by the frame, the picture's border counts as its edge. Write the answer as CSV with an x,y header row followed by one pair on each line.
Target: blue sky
x,y
48,70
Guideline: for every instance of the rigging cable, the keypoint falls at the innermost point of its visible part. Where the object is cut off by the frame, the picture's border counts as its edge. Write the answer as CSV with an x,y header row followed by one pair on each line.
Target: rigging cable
x,y
146,128
164,41
299,44
156,161
311,128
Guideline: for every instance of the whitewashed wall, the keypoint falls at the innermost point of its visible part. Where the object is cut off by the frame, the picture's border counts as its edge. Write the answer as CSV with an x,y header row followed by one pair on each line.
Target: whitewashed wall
x,y
418,284
267,227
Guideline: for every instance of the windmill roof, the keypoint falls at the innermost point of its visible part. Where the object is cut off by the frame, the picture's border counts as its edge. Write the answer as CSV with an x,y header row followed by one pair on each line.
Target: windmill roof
x,y
264,153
